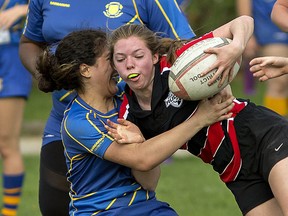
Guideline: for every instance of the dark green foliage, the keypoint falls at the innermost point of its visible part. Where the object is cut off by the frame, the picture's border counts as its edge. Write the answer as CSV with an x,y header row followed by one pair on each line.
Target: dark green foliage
x,y
205,15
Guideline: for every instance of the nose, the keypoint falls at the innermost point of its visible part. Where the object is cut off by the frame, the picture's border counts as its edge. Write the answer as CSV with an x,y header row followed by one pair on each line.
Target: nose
x,y
129,63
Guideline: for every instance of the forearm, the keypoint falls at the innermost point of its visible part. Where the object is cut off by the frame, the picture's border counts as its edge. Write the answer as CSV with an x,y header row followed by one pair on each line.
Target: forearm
x,y
29,53
148,179
242,30
239,29
244,7
147,155
144,156
21,10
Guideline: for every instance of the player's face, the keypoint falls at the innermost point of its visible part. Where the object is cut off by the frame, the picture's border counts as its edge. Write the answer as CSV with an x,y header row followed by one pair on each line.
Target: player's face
x,y
104,77
134,62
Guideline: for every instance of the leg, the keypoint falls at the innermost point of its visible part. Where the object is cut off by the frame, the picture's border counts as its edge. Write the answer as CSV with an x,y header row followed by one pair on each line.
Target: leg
x,y
11,114
53,188
279,184
276,90
268,208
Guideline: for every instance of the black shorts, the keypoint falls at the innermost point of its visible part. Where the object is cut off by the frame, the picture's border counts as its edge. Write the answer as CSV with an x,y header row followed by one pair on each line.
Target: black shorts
x,y
263,141
53,185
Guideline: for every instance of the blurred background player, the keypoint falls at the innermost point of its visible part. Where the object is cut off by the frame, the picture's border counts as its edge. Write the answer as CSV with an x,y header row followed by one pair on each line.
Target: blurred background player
x,y
269,67
267,40
15,86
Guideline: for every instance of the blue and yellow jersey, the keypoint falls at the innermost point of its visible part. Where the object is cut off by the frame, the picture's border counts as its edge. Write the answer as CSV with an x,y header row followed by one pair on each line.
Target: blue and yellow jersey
x,y
16,29
96,183
50,21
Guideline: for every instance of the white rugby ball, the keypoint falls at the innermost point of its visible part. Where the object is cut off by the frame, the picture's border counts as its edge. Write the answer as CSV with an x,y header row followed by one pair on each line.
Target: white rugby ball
x,y
184,78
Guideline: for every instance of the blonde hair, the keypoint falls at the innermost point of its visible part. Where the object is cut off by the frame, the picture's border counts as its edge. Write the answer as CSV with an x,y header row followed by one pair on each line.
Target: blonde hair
x,y
155,43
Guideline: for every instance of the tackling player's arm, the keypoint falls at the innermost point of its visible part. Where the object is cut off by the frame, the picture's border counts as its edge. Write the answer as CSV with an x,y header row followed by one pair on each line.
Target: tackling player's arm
x,y
146,155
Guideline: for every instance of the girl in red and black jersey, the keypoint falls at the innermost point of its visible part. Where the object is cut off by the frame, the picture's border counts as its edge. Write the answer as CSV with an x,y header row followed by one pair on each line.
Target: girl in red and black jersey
x,y
249,150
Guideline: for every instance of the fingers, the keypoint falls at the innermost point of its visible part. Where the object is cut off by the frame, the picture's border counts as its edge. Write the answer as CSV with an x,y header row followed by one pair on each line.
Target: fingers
x,y
225,116
112,124
123,122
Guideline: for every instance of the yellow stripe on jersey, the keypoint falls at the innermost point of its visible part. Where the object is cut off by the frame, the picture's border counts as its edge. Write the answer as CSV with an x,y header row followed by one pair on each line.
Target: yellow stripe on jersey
x,y
133,197
66,95
111,203
59,4
137,13
168,20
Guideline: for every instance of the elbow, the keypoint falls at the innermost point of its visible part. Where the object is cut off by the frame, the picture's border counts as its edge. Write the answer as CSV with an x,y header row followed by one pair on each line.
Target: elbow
x,y
249,20
149,187
144,164
249,24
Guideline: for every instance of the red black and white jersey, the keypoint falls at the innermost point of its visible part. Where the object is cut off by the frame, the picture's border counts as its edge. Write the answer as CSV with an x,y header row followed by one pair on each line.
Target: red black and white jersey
x,y
216,144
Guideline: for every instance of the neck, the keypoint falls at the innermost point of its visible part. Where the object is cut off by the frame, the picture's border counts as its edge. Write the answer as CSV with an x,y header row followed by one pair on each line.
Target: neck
x,y
144,98
100,103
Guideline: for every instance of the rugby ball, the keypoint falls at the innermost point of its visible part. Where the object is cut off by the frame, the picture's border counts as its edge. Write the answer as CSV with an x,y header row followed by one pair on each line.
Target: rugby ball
x,y
184,78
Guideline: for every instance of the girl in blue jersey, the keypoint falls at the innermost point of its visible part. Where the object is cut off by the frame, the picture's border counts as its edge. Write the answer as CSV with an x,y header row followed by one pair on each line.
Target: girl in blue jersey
x,y
15,86
101,182
249,150
47,23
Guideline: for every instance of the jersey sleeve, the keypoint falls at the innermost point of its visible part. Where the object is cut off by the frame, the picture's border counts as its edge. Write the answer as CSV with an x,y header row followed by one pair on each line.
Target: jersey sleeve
x,y
34,21
165,17
86,134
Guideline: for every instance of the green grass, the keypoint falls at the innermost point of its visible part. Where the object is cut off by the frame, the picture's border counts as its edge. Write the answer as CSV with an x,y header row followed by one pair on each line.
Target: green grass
x,y
193,188
188,185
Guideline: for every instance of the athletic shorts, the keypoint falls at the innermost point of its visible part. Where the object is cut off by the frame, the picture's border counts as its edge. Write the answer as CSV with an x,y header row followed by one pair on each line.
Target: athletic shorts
x,y
54,188
15,80
263,141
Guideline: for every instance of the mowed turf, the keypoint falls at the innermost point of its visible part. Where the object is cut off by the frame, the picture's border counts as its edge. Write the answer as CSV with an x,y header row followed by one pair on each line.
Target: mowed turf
x,y
189,186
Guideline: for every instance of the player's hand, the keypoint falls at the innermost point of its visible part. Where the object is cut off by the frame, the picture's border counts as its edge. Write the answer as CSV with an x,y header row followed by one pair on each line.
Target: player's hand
x,y
214,109
226,93
124,132
268,67
9,16
227,56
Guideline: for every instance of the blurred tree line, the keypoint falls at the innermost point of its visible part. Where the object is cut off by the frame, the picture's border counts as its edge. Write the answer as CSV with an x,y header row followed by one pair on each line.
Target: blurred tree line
x,y
206,15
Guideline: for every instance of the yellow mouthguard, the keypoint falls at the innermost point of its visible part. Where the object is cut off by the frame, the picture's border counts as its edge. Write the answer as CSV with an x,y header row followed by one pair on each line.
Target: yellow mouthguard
x,y
132,75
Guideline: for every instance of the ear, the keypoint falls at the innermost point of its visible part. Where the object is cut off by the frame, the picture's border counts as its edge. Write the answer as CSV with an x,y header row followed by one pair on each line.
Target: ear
x,y
85,70
155,58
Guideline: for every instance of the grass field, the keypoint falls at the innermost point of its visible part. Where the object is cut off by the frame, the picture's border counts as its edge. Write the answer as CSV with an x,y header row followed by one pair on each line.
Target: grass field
x,y
187,184
191,187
